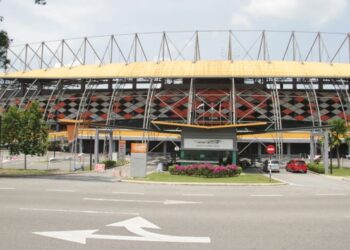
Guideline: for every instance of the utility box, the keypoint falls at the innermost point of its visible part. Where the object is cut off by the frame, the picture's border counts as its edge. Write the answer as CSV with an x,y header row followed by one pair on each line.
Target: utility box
x,y
138,166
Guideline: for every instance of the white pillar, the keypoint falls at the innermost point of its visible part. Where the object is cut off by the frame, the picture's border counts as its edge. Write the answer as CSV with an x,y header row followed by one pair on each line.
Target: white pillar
x,y
312,147
289,146
96,146
325,152
110,141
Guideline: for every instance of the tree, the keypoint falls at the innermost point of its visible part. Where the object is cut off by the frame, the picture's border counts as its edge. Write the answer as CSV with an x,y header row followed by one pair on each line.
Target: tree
x,y
4,45
24,131
338,133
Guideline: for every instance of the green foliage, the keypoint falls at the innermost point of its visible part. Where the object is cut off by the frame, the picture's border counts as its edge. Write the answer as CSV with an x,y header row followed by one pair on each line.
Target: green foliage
x,y
24,131
113,164
109,164
338,133
4,45
316,167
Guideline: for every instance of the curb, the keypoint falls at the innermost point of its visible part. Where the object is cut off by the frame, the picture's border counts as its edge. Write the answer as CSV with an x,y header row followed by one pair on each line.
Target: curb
x,y
38,175
202,184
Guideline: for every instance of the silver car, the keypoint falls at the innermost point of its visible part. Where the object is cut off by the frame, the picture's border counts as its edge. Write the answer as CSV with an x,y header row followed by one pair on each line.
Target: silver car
x,y
273,164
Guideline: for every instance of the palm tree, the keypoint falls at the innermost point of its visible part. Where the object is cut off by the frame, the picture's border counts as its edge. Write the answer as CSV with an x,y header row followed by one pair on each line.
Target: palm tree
x,y
338,133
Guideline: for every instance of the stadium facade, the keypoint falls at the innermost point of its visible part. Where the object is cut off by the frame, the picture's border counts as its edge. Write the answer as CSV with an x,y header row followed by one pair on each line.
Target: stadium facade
x,y
263,88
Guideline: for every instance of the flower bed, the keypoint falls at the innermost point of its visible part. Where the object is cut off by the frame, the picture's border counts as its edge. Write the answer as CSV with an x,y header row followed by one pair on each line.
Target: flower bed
x,y
206,170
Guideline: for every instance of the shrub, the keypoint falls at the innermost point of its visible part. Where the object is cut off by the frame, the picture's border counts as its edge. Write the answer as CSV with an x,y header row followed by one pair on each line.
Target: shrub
x,y
206,170
121,162
109,164
316,167
113,164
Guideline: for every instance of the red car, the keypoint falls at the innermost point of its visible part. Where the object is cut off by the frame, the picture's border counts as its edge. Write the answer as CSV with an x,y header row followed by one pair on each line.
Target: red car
x,y
296,166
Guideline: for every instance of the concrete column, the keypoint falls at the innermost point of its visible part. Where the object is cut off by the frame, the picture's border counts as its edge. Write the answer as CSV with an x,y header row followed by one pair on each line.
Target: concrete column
x,y
259,150
190,102
96,146
312,147
325,152
289,146
110,141
80,146
165,148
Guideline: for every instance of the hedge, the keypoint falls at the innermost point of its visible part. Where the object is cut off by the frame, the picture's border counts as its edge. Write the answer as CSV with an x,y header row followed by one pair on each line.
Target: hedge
x,y
316,167
206,170
113,164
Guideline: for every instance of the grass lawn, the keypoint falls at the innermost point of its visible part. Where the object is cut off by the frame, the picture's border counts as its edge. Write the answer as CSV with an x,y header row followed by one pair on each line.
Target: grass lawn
x,y
341,171
22,172
247,178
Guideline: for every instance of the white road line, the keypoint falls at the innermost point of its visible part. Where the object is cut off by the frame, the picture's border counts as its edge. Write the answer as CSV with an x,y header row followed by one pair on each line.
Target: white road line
x,y
133,193
266,195
75,211
347,216
61,190
200,195
7,188
335,194
165,202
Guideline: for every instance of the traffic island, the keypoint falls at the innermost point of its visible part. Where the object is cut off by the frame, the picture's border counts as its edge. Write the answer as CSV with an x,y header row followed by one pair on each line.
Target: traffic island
x,y
167,178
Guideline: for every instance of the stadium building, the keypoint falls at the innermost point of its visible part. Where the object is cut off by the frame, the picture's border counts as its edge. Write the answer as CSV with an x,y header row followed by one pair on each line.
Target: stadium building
x,y
212,94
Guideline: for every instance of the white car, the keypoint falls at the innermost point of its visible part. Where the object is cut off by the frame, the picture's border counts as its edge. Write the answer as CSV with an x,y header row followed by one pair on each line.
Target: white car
x,y
273,164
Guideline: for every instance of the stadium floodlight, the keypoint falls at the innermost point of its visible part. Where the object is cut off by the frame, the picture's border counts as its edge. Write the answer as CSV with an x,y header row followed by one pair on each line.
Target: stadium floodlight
x,y
41,2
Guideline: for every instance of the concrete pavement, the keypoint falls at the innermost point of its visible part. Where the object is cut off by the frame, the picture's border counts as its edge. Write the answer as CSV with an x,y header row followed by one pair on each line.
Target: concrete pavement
x,y
311,213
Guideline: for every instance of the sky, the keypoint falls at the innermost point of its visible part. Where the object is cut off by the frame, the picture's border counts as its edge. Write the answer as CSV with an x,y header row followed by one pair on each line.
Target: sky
x,y
27,22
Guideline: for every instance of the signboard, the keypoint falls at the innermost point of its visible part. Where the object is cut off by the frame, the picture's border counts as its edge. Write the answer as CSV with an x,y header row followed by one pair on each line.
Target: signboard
x,y
138,166
270,149
100,167
138,148
216,144
121,150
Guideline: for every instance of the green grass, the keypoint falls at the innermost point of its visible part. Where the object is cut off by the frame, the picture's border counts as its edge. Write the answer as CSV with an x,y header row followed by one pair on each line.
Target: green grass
x,y
22,172
246,178
341,171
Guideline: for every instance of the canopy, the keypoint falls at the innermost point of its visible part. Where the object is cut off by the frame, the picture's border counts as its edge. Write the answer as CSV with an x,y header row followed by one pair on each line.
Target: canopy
x,y
188,69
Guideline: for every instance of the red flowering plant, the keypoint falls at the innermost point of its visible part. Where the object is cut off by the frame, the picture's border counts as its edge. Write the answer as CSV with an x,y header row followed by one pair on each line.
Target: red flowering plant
x,y
206,170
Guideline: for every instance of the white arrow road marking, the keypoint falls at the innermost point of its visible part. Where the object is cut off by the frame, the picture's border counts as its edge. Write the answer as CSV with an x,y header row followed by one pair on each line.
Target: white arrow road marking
x,y
133,225
75,211
166,202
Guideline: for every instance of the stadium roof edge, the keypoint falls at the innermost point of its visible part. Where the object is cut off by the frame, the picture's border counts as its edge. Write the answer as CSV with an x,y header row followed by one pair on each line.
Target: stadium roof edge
x,y
189,69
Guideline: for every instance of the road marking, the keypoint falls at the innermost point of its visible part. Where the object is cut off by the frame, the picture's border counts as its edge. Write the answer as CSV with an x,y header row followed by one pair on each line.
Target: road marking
x,y
266,195
134,225
199,195
296,185
7,188
166,202
133,193
347,216
61,190
336,194
75,211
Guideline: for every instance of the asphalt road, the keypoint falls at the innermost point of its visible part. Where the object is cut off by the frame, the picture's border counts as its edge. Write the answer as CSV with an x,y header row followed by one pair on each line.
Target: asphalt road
x,y
313,212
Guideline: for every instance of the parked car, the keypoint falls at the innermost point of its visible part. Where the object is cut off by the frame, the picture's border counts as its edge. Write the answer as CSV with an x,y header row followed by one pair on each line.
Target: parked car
x,y
296,166
272,164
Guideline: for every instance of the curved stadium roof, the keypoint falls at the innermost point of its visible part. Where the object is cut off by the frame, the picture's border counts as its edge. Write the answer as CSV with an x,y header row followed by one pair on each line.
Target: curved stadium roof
x,y
189,69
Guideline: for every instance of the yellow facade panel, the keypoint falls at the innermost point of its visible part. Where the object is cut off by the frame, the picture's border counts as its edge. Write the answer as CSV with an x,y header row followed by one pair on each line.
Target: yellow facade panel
x,y
186,69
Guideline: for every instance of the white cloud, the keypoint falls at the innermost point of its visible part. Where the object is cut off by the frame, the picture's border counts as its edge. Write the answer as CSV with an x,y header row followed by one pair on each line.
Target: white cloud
x,y
315,12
